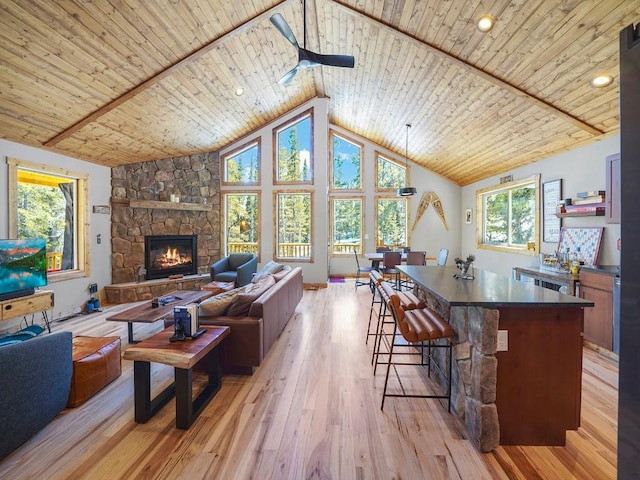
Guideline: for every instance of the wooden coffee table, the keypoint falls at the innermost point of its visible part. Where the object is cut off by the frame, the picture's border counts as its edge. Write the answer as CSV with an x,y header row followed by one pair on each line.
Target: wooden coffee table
x,y
145,313
181,355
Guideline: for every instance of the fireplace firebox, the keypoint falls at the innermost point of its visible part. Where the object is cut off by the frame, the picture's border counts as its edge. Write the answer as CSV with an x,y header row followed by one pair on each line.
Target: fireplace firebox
x,y
166,255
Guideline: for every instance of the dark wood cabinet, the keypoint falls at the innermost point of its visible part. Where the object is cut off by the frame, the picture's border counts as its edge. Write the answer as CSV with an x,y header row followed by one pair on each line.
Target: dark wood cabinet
x,y
612,210
598,320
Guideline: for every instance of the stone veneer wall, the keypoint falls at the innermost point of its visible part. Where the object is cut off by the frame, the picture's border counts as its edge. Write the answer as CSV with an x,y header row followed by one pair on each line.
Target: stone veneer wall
x,y
194,179
475,368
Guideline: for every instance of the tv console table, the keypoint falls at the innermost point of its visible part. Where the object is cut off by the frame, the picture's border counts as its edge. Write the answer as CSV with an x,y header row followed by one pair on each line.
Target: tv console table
x,y
40,301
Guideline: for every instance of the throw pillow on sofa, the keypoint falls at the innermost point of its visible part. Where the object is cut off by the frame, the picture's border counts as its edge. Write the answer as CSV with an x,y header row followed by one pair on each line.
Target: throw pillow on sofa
x,y
284,271
269,268
21,336
218,304
242,302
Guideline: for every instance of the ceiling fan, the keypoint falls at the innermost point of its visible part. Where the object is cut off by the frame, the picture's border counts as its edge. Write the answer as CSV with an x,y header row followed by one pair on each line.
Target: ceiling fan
x,y
307,58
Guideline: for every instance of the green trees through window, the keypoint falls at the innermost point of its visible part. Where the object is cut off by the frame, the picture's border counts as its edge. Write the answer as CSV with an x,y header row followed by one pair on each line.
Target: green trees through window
x,y
391,222
242,213
293,225
509,215
243,166
346,166
347,228
390,175
294,159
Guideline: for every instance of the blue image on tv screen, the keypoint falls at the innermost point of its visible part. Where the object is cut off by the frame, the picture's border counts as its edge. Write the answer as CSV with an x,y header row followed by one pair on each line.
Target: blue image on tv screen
x,y
23,266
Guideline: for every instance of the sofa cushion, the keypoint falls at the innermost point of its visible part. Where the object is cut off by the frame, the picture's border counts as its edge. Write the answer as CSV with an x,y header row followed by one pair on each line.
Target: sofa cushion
x,y
269,268
218,304
284,271
241,303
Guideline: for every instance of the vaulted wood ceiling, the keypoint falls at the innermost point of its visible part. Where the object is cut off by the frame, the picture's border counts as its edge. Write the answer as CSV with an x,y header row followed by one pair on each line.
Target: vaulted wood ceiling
x,y
124,81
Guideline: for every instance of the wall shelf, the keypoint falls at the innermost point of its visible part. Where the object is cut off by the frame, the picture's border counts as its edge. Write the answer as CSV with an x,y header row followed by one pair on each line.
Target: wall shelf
x,y
593,213
126,202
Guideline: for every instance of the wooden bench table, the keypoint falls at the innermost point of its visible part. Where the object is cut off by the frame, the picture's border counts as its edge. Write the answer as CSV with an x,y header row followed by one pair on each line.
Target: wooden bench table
x,y
181,355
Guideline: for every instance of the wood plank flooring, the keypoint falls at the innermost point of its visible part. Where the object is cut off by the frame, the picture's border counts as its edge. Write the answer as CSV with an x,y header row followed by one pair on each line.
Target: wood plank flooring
x,y
312,411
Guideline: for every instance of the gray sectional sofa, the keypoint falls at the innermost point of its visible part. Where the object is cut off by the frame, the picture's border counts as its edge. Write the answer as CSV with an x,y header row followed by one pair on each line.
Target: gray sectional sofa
x,y
35,379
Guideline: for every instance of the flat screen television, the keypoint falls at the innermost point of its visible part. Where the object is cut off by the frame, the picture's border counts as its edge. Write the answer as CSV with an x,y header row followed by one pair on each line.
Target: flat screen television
x,y
23,267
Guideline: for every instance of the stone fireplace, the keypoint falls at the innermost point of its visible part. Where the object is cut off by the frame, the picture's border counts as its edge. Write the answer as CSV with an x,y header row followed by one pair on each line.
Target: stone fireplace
x,y
167,255
142,207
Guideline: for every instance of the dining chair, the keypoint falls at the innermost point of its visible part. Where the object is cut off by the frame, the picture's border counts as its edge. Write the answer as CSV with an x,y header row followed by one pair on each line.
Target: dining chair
x,y
364,270
414,257
390,260
442,256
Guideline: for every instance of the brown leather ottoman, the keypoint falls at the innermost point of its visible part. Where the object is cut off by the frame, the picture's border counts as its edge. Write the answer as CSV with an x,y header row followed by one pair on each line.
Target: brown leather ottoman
x,y
96,363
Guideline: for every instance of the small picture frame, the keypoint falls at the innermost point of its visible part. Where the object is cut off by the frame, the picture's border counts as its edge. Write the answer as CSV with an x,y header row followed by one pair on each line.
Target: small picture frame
x,y
468,215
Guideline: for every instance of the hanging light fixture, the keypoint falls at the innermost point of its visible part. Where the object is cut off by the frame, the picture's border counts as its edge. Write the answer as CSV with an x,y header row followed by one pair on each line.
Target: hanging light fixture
x,y
407,191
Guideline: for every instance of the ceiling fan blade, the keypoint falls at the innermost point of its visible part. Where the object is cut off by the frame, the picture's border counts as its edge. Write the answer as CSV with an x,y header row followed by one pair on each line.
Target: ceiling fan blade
x,y
286,79
281,24
313,58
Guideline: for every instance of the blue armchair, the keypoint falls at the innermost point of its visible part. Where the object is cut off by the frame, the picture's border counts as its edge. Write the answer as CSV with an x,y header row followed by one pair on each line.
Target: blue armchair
x,y
237,267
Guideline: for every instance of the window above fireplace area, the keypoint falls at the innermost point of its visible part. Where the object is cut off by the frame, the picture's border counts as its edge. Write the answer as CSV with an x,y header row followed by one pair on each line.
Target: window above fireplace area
x,y
166,255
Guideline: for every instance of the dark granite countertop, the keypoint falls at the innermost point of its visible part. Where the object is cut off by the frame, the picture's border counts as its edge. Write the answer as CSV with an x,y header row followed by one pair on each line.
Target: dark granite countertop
x,y
488,289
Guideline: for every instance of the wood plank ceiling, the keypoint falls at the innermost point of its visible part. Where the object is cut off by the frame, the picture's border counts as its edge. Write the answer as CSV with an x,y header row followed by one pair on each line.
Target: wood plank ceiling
x,y
124,81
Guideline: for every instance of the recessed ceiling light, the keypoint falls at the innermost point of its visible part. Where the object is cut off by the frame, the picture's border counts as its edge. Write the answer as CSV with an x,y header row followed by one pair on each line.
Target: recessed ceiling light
x,y
601,81
239,91
485,23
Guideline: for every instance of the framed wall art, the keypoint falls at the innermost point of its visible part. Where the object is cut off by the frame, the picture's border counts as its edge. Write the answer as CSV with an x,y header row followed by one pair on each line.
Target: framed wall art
x,y
551,196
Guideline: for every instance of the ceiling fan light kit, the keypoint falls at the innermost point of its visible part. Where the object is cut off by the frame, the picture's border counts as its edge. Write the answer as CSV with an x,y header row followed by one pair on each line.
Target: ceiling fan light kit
x,y
307,58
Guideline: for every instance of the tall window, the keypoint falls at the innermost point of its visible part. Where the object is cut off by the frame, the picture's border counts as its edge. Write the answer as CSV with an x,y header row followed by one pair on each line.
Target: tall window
x,y
294,151
391,222
241,220
293,225
242,166
51,203
346,225
390,175
509,216
346,163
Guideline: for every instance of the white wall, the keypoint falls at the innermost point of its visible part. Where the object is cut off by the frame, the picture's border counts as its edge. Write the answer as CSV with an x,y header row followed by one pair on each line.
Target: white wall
x,y
580,169
70,295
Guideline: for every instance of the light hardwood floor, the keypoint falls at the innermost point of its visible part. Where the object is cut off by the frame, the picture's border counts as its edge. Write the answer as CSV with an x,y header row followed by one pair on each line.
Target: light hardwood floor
x,y
312,410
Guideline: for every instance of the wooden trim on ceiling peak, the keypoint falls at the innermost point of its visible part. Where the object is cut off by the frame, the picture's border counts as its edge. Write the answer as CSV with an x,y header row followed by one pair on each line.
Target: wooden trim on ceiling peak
x,y
475,70
162,75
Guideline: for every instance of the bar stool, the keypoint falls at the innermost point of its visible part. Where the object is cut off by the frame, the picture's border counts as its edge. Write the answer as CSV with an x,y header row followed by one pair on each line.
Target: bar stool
x,y
374,279
418,326
408,301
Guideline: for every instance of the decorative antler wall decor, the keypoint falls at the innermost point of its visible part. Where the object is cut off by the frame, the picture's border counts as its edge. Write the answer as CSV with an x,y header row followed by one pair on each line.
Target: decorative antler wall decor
x,y
430,198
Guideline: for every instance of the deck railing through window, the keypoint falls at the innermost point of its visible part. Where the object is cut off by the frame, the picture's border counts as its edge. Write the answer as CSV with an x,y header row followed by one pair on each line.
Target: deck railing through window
x,y
346,248
244,247
294,250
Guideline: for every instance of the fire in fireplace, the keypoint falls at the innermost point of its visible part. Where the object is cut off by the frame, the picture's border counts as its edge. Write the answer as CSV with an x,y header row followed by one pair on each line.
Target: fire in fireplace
x,y
166,255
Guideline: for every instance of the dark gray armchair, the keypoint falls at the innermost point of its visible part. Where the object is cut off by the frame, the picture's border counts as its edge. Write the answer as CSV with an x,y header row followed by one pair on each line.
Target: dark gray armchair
x,y
237,267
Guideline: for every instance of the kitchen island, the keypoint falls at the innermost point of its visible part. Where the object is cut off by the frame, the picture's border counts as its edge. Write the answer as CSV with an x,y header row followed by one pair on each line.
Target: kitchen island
x,y
517,370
